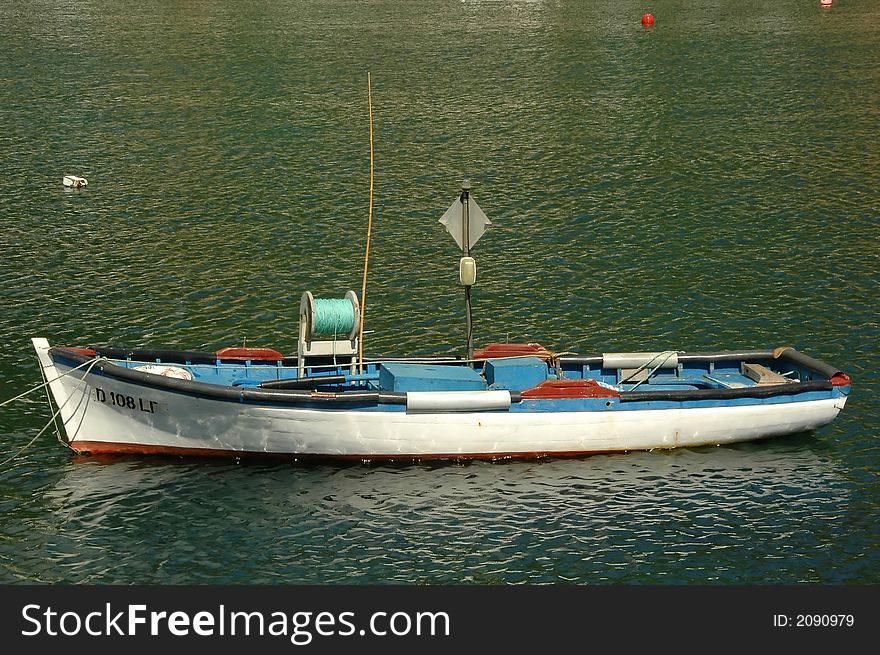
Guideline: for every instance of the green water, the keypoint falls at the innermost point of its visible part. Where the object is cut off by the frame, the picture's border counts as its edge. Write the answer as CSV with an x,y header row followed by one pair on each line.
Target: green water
x,y
709,183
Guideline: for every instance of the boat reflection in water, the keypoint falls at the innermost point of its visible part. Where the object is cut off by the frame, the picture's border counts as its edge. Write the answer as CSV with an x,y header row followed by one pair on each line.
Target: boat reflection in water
x,y
688,515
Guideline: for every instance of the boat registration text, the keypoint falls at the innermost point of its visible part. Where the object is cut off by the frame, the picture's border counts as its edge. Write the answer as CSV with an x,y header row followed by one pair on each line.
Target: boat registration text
x,y
122,400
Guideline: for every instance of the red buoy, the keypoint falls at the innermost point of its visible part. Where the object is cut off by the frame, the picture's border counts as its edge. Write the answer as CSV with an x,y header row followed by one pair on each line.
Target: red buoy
x,y
648,20
826,4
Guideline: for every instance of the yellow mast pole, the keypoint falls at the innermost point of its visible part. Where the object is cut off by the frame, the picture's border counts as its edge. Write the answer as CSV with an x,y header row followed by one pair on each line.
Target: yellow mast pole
x,y
369,233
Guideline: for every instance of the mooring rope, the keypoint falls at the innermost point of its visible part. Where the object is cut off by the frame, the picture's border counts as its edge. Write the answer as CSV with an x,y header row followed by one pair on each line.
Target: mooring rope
x,y
82,381
88,363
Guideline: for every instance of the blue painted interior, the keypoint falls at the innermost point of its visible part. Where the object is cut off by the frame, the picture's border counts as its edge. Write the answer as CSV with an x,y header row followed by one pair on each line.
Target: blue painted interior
x,y
514,374
429,377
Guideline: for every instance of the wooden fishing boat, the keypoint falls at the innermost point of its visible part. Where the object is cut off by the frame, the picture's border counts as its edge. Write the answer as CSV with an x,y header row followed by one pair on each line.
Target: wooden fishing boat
x,y
504,400
519,400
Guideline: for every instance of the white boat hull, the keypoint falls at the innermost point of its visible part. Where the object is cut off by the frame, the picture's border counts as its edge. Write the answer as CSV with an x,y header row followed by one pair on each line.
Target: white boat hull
x,y
118,416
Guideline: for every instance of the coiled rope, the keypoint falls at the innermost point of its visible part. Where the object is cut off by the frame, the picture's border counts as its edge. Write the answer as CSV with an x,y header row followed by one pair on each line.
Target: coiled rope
x,y
333,316
91,363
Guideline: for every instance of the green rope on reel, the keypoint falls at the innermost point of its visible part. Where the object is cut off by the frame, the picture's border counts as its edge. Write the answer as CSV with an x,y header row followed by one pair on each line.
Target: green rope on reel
x,y
333,317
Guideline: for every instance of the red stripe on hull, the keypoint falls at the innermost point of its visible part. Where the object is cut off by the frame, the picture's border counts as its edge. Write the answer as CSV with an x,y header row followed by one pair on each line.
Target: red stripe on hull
x,y
112,448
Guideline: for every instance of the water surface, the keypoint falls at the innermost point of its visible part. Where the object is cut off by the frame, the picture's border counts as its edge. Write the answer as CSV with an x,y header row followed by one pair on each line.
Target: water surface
x,y
709,183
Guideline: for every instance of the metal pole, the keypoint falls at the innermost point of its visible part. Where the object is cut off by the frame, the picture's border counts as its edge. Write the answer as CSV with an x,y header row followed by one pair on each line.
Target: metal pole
x,y
466,241
465,227
469,325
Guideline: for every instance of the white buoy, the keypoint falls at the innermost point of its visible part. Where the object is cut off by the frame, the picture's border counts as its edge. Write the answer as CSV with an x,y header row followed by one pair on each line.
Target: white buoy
x,y
74,181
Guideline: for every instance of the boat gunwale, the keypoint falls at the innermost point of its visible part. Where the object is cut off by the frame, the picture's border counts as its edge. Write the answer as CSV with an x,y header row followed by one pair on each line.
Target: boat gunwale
x,y
301,396
226,392
204,357
757,392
